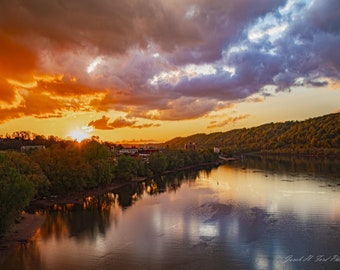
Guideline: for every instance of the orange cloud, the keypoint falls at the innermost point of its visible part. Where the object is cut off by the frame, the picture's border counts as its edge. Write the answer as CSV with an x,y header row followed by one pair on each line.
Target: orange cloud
x,y
138,142
334,84
33,104
146,126
16,60
44,96
233,120
255,99
7,94
61,87
104,124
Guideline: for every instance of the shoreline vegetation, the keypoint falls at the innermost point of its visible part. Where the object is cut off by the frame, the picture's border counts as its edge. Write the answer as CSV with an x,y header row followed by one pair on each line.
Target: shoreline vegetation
x,y
40,171
77,197
66,167
319,136
27,224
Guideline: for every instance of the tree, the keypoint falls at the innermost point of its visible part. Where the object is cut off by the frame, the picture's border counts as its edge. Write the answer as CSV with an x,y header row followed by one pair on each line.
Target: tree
x,y
99,158
15,193
65,167
126,168
158,163
142,167
31,170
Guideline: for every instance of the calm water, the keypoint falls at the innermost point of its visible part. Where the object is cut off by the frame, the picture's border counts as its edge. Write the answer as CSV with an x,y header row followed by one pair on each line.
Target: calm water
x,y
254,214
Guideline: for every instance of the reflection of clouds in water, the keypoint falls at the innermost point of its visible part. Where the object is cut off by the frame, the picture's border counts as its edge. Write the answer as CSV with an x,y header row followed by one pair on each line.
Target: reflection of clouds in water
x,y
213,211
241,229
208,226
260,260
207,231
233,230
272,191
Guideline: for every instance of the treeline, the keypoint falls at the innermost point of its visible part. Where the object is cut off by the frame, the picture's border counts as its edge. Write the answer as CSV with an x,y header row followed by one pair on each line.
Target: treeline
x,y
315,136
68,166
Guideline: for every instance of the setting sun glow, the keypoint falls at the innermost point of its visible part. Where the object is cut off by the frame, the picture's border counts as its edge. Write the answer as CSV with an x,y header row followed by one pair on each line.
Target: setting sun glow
x,y
78,135
149,77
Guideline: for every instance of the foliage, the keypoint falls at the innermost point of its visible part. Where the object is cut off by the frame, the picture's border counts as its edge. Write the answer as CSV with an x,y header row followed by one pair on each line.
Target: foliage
x,y
99,158
158,163
31,170
16,190
315,136
143,169
70,166
126,168
65,168
175,158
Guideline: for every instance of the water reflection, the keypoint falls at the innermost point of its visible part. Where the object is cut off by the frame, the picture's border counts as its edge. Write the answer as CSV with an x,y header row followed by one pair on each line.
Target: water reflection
x,y
84,220
238,216
93,216
311,166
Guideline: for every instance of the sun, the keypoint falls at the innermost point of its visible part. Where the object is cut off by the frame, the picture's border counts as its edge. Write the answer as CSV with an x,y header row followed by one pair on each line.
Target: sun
x,y
78,135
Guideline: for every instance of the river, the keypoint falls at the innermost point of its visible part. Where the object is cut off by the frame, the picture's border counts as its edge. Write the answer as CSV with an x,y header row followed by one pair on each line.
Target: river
x,y
250,214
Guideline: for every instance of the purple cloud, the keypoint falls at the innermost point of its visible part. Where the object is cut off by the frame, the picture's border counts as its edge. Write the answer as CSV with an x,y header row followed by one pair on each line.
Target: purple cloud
x,y
167,60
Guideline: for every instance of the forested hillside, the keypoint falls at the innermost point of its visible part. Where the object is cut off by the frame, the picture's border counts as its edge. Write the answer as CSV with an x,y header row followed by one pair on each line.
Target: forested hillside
x,y
315,136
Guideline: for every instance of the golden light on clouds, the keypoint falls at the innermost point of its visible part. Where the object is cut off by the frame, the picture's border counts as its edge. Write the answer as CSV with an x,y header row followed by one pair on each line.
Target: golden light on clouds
x,y
160,67
18,84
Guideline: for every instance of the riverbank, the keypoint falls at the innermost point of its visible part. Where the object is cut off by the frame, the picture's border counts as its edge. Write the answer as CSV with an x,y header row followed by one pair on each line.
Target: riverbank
x,y
28,224
75,197
23,232
78,197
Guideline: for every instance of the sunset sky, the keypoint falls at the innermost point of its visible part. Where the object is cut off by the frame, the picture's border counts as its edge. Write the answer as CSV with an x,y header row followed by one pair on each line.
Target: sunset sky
x,y
152,70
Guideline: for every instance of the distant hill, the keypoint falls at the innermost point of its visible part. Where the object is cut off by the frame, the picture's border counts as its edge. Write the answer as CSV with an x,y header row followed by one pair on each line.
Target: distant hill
x,y
314,136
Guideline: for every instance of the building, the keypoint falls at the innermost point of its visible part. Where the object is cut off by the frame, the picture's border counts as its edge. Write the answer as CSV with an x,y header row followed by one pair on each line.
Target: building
x,y
27,148
128,151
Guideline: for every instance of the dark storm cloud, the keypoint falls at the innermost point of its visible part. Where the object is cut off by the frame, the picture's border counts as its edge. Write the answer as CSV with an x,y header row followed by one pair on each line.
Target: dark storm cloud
x,y
220,23
310,47
108,26
166,60
307,49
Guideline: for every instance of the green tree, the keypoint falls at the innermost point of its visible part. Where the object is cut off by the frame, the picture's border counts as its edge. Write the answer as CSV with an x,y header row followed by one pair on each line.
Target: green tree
x,y
158,162
142,167
99,158
65,167
15,193
126,168
31,170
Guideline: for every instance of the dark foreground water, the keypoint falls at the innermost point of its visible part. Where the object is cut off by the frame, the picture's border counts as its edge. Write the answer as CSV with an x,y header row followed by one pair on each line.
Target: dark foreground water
x,y
254,214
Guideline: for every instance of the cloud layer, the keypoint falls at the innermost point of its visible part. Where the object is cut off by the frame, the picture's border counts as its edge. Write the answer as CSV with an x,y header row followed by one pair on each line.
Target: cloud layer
x,y
160,60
